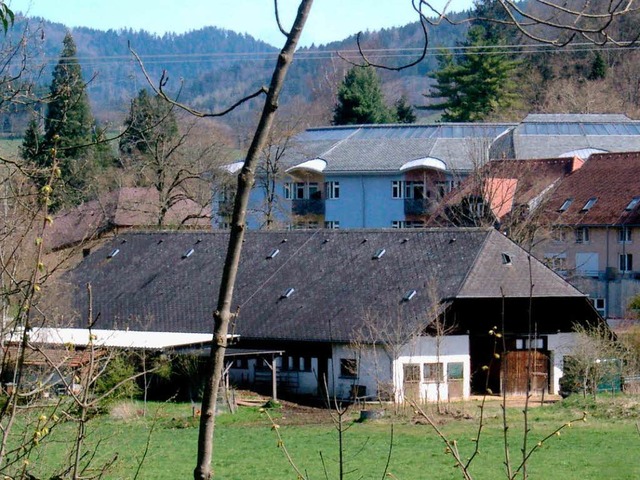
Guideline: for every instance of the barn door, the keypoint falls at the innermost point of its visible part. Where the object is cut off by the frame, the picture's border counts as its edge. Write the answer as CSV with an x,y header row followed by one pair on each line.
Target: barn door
x,y
514,372
411,382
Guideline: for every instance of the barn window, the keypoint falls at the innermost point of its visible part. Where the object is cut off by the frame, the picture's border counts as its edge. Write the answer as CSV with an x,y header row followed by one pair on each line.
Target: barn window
x,y
432,372
348,367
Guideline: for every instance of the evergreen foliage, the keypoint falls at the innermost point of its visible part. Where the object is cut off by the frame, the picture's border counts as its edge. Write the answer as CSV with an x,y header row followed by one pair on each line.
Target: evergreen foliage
x,y
598,68
69,132
150,123
360,99
69,121
404,111
476,84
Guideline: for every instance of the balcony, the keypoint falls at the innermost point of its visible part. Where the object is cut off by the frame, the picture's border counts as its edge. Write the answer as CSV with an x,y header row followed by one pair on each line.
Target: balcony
x,y
313,206
417,206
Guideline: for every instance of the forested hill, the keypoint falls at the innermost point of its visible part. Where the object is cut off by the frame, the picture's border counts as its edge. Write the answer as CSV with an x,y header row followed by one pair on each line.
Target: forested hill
x,y
211,67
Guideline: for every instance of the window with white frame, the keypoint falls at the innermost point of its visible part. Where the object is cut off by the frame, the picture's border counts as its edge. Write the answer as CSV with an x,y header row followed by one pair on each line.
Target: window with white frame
x,y
556,261
407,224
432,372
600,304
582,235
626,262
332,224
624,235
559,234
332,190
301,191
397,189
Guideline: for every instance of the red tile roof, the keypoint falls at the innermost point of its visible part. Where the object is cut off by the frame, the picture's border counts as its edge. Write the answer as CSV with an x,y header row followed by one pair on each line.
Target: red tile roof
x,y
613,179
508,183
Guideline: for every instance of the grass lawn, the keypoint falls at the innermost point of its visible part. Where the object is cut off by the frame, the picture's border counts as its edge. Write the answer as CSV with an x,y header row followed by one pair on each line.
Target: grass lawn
x,y
606,446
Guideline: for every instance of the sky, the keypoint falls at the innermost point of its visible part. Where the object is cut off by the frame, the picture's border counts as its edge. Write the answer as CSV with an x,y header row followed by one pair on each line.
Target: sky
x,y
329,20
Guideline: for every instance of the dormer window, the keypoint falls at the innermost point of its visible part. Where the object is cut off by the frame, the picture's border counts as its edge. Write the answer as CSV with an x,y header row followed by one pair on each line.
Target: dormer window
x,y
633,204
565,205
590,203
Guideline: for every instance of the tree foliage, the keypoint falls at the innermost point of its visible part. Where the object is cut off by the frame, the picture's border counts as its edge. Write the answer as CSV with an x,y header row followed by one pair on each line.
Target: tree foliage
x,y
150,124
477,84
360,99
70,133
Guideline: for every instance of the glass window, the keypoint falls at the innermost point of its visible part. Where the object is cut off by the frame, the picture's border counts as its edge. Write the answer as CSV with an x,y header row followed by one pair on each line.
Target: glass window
x,y
348,367
624,235
626,262
455,371
432,372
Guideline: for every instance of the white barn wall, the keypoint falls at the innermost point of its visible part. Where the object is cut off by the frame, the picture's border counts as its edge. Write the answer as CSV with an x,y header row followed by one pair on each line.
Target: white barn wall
x,y
453,348
559,345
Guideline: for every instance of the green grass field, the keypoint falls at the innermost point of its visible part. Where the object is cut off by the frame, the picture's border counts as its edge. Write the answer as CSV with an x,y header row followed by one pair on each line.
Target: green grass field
x,y
606,446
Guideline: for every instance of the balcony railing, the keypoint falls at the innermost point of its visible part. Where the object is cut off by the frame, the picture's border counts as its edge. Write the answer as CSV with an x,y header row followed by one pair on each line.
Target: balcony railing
x,y
417,206
308,206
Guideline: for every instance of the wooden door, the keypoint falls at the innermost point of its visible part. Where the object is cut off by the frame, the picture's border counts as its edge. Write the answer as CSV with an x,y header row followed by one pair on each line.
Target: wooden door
x,y
411,382
455,380
516,365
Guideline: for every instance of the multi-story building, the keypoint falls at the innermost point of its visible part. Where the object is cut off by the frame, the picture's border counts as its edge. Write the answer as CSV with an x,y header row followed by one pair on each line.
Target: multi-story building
x,y
595,242
393,176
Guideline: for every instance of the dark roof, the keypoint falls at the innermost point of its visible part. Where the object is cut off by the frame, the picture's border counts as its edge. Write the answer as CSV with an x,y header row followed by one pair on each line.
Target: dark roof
x,y
152,285
122,208
610,178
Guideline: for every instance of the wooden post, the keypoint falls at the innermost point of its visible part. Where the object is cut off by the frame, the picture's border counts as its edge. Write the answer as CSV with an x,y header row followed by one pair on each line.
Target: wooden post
x,y
274,378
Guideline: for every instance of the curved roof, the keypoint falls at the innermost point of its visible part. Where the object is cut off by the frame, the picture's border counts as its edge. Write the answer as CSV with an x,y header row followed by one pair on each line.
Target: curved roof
x,y
316,165
427,162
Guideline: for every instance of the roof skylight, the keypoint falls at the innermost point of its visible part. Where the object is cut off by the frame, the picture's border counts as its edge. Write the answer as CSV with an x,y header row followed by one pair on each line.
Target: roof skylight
x,y
188,253
379,254
506,258
590,203
288,293
565,205
113,253
633,204
409,295
273,254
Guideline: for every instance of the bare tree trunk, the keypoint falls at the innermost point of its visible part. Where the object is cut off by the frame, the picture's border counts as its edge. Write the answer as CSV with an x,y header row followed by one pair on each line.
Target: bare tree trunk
x,y
222,316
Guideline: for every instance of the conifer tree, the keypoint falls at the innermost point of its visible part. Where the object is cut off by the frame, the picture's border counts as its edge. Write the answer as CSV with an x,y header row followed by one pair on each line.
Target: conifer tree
x,y
476,85
404,111
150,122
360,99
598,68
68,133
68,122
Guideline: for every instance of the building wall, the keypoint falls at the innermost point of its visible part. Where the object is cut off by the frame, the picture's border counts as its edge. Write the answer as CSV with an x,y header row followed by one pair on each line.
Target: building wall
x,y
424,350
593,266
559,346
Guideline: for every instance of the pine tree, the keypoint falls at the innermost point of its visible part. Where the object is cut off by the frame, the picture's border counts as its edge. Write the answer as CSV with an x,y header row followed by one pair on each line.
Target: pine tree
x,y
404,111
360,99
478,84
